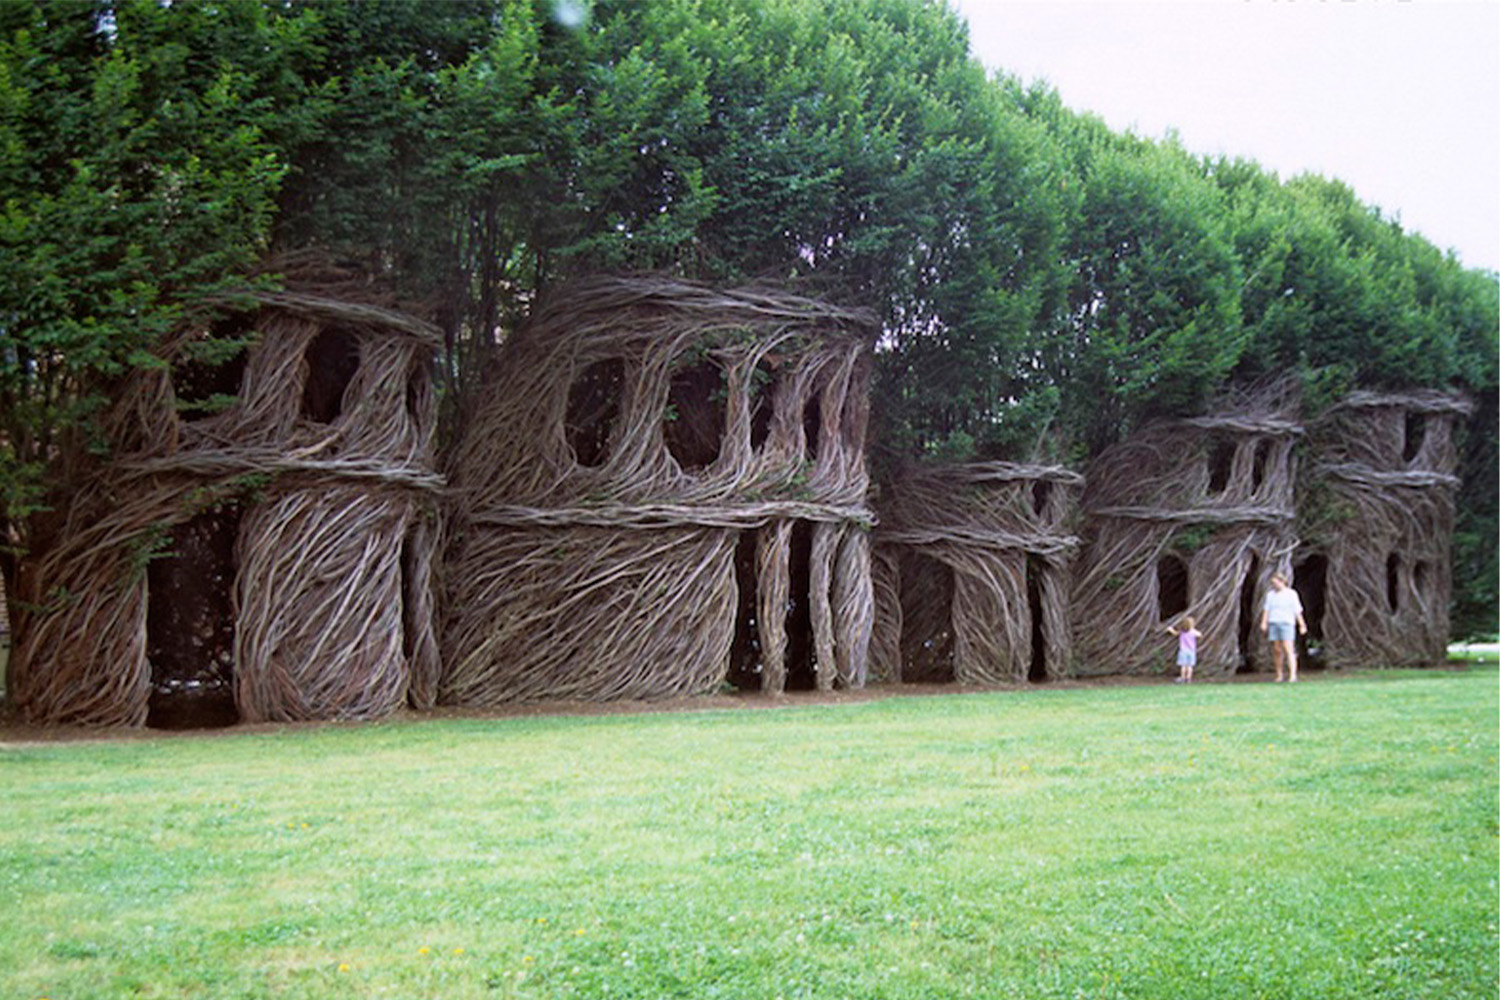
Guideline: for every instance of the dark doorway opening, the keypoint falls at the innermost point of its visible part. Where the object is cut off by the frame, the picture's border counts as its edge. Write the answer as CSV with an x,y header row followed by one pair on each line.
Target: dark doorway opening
x,y
1258,466
812,423
1393,583
1171,587
745,666
190,624
1310,578
1036,673
1040,489
593,406
695,415
801,651
762,404
927,644
1249,630
332,361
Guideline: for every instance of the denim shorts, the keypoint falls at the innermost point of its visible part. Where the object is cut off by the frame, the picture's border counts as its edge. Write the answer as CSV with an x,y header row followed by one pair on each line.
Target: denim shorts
x,y
1282,631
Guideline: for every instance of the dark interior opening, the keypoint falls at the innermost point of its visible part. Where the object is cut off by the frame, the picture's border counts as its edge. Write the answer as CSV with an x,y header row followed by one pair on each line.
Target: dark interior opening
x,y
1393,583
418,382
1039,490
812,424
695,414
593,405
1035,567
190,624
745,666
1262,458
332,360
207,376
1419,578
1171,587
927,644
801,651
1310,577
1220,464
1250,603
762,405
1413,433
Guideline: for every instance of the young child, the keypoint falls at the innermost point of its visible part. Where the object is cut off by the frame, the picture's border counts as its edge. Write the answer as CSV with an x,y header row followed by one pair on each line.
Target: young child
x,y
1187,649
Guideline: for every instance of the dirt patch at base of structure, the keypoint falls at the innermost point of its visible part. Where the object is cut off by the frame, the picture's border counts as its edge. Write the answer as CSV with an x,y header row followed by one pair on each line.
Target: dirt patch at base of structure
x,y
16,733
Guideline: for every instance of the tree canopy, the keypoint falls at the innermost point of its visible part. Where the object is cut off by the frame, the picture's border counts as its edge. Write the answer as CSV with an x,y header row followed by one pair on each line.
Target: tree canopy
x,y
1045,284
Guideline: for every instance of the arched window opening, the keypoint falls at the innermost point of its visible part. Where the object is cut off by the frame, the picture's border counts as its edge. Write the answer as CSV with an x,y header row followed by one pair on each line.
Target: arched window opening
x,y
927,640
190,624
1035,568
1419,580
762,405
1220,464
1393,583
812,424
1171,587
593,407
207,375
1040,490
694,426
332,360
1414,433
1259,465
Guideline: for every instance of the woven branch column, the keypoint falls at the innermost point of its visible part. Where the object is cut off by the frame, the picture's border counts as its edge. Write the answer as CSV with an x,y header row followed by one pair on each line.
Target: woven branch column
x,y
641,425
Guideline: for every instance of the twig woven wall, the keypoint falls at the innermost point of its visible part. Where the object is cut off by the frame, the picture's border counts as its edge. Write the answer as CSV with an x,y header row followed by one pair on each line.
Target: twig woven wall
x,y
632,431
1385,525
1185,517
972,570
288,535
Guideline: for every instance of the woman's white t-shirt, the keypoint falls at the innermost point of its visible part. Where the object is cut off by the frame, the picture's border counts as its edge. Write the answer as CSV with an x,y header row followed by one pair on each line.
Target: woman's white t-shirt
x,y
1283,606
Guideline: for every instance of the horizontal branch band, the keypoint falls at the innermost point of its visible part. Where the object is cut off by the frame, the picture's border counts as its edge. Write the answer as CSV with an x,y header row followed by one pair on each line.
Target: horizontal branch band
x,y
673,515
250,463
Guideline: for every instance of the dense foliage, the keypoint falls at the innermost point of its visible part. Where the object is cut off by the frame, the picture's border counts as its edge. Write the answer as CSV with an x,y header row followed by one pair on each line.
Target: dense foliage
x,y
1045,284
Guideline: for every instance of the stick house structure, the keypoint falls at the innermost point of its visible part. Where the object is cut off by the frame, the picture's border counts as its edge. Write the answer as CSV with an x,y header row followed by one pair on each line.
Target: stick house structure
x,y
266,558
1186,517
972,569
1375,576
663,490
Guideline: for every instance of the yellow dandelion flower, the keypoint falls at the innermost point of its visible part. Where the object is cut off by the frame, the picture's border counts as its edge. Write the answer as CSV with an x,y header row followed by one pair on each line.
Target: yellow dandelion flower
x,y
458,951
528,960
423,950
580,932
343,966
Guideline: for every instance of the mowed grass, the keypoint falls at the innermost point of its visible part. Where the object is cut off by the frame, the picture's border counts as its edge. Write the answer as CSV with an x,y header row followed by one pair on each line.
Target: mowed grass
x,y
1336,838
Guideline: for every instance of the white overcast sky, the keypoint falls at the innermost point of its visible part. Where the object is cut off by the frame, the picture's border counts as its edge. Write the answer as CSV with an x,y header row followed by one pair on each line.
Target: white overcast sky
x,y
1399,99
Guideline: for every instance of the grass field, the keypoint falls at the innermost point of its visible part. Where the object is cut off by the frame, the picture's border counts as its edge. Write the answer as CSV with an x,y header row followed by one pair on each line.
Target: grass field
x,y
1332,839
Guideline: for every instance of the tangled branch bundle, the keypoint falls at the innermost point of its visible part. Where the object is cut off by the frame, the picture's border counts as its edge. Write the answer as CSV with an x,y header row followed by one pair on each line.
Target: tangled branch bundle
x,y
633,430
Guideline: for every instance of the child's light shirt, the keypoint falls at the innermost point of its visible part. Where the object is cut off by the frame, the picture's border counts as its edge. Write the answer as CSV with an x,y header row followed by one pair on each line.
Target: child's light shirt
x,y
1187,642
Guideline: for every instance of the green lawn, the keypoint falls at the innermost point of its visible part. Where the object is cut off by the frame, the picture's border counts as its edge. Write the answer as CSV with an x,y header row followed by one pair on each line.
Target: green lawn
x,y
1336,838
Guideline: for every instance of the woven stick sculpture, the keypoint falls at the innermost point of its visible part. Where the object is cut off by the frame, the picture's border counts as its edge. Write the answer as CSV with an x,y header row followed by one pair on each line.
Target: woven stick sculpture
x,y
314,479
972,582
1382,522
1188,517
631,432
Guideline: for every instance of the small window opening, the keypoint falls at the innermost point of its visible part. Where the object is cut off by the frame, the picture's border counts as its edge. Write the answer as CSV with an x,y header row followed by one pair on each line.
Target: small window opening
x,y
1414,433
927,641
1040,490
418,381
207,376
801,651
190,624
1035,568
745,665
812,424
695,414
1419,578
1171,587
593,406
332,360
1250,604
1393,583
762,405
1258,467
1220,464
1311,576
